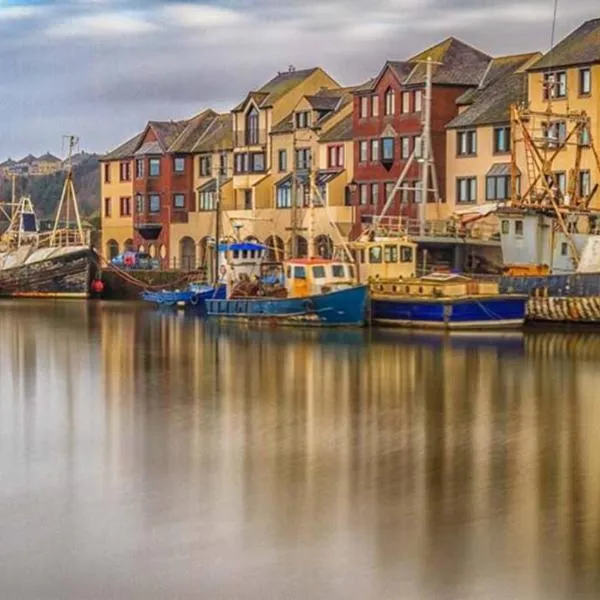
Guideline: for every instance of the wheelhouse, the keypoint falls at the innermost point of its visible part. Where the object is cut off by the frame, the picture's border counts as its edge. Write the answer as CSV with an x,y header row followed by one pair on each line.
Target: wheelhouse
x,y
385,259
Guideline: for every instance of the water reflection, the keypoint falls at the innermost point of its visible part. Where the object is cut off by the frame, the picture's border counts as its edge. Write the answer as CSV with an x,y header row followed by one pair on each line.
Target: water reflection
x,y
151,455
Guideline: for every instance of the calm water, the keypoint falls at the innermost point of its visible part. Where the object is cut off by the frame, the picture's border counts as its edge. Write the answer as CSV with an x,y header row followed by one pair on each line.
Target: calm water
x,y
147,455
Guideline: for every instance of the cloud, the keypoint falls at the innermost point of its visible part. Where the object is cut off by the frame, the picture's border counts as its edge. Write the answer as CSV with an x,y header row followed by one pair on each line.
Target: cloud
x,y
17,12
200,15
101,25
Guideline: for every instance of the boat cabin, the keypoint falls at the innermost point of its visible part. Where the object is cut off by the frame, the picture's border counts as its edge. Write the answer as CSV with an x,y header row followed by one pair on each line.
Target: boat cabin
x,y
389,258
308,276
241,259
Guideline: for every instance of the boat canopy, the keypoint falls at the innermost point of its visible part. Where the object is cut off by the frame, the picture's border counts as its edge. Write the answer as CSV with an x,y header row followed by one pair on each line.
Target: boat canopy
x,y
241,246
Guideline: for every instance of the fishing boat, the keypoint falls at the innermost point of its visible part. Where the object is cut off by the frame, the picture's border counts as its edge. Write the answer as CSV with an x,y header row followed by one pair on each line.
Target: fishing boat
x,y
437,300
56,264
191,297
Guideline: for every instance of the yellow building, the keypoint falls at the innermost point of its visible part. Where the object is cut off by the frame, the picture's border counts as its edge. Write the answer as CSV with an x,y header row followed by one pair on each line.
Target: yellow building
x,y
478,141
568,78
116,184
45,165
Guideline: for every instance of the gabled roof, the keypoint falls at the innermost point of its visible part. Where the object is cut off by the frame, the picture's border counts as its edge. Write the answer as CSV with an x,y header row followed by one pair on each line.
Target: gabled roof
x,y
48,158
27,159
504,83
340,132
125,150
166,132
276,88
218,136
322,102
196,127
9,162
580,47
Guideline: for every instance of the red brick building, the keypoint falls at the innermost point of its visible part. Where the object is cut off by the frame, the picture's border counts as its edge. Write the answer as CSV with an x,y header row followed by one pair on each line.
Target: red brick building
x,y
163,181
387,122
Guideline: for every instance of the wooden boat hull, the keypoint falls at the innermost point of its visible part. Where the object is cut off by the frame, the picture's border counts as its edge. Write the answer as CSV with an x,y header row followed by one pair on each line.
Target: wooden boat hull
x,y
340,308
481,312
62,273
571,298
184,298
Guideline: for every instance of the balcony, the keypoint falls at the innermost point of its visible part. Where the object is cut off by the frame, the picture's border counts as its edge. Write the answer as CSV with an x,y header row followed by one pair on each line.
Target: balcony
x,y
250,137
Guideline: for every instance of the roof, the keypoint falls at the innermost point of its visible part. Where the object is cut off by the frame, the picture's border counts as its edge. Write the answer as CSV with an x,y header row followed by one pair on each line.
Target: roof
x,y
341,132
125,150
217,136
8,163
167,131
48,158
277,87
194,130
27,159
323,102
503,168
503,84
211,185
149,148
581,46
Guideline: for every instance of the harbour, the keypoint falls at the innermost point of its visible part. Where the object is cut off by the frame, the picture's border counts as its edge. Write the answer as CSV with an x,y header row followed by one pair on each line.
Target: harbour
x,y
146,454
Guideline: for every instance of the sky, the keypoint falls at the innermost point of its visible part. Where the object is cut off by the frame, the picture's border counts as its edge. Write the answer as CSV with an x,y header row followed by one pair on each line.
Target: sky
x,y
100,69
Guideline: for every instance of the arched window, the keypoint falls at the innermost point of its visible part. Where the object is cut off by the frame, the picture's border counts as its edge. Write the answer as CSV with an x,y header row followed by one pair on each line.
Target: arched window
x,y
324,246
112,249
275,248
390,101
187,253
128,245
252,126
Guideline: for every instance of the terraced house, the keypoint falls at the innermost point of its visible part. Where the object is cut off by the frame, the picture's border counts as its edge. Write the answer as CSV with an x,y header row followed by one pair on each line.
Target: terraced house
x,y
388,114
478,143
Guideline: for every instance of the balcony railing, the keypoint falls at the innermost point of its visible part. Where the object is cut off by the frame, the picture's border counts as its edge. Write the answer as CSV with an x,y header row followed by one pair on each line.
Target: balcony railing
x,y
250,137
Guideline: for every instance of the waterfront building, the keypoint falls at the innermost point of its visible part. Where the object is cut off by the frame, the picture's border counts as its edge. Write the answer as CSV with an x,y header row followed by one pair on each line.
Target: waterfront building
x,y
478,141
388,124
45,165
116,198
569,77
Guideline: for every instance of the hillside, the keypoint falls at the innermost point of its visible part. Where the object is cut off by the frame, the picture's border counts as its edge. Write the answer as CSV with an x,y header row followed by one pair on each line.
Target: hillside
x,y
45,191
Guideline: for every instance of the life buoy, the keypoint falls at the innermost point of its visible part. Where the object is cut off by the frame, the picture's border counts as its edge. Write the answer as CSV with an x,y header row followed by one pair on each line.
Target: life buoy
x,y
195,299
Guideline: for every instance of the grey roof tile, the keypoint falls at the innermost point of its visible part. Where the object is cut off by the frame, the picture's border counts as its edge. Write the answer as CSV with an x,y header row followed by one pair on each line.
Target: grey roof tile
x,y
340,132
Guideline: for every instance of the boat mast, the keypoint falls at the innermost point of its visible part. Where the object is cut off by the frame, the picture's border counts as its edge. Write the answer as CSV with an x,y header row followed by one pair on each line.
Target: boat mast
x,y
217,226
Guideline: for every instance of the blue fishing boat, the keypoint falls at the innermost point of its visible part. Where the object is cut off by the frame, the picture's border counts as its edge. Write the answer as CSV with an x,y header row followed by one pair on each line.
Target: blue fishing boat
x,y
193,296
316,292
438,300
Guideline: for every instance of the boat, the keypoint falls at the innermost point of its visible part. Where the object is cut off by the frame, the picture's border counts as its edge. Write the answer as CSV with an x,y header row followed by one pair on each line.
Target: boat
x,y
303,291
59,263
193,296
441,300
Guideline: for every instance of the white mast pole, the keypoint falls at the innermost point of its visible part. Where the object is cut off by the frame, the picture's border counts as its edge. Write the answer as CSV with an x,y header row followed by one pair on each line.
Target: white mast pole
x,y
425,148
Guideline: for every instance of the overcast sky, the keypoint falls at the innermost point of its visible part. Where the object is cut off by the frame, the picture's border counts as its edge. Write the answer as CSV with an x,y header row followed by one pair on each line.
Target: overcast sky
x,y
102,68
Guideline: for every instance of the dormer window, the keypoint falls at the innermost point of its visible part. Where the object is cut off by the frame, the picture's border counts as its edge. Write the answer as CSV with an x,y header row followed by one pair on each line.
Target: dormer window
x,y
252,127
303,119
387,150
389,101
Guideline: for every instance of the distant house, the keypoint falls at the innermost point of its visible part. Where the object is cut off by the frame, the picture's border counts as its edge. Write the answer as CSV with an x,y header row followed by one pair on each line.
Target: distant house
x,y
45,165
6,167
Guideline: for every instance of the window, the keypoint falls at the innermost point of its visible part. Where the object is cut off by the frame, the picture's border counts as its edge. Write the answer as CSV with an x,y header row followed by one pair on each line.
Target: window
x,y
205,165
363,191
584,183
284,195
555,133
555,85
387,149
466,143
405,192
318,272
418,185
223,164
561,181
374,150
107,207
252,127
406,254
154,167
390,254
389,102
107,173
404,147
388,188
417,100
303,119
406,102
505,227
337,271
374,193
258,162
364,107
585,82
564,249
497,187
139,168
154,203
207,200
335,156
375,255
584,136
466,189
248,199
501,140
363,151
299,272
374,106
139,204
179,164
239,162
282,161
125,206
519,228
178,200
125,171
303,158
